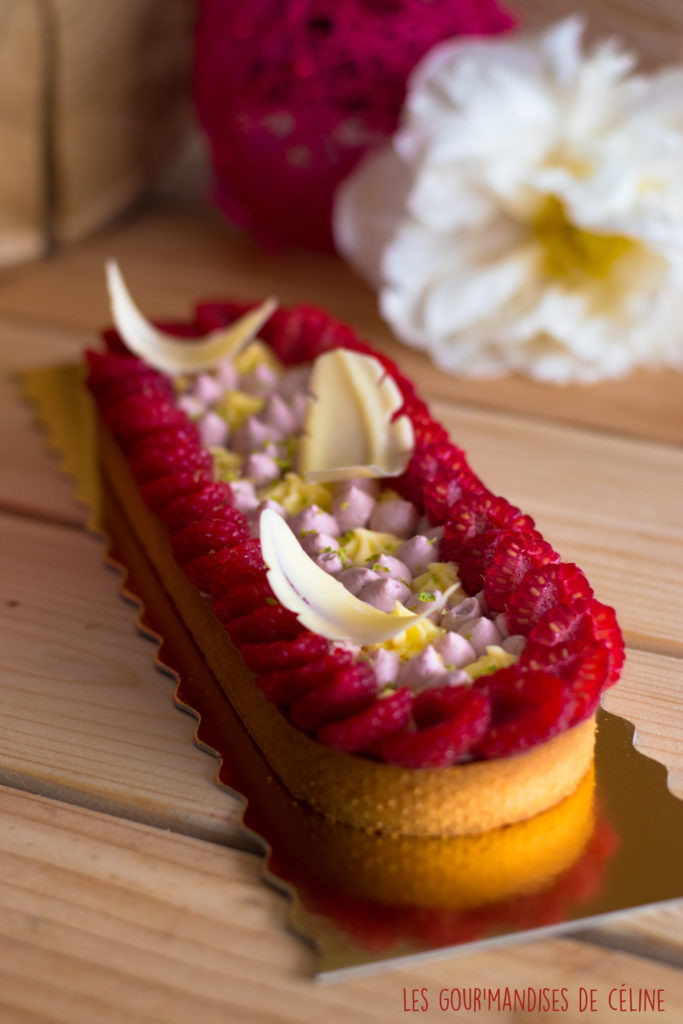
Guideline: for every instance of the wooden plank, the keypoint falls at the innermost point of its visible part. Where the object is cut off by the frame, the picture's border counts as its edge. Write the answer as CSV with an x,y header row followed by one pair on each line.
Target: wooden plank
x,y
646,404
108,920
655,934
649,694
85,716
613,505
105,920
174,257
30,481
27,343
626,531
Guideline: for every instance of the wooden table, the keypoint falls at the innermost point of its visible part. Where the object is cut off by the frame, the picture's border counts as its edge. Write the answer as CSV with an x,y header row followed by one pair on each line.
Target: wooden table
x,y
126,889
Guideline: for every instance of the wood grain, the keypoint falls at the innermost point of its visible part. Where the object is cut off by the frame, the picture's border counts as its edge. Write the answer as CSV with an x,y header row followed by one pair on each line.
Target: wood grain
x,y
22,196
656,934
108,920
85,716
649,694
613,507
174,257
30,482
633,490
87,115
104,919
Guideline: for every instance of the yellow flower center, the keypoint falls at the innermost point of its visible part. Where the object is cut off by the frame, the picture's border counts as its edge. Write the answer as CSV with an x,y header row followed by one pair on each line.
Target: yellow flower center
x,y
570,251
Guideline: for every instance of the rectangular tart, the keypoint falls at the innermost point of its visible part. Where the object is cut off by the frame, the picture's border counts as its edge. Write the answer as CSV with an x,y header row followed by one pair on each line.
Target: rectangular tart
x,y
390,736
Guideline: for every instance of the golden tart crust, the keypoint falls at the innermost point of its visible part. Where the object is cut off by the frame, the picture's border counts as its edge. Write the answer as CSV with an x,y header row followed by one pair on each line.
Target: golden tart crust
x,y
460,800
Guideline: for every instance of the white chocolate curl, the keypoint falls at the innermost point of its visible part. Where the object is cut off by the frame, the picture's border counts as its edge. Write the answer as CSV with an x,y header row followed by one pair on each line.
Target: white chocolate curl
x,y
320,602
169,354
350,430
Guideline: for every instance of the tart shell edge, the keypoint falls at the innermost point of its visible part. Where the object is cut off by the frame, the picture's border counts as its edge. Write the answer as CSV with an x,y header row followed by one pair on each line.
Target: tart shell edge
x,y
459,800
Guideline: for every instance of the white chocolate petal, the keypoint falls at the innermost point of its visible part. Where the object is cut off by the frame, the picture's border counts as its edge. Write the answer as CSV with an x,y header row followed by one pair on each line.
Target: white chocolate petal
x,y
169,354
349,430
321,602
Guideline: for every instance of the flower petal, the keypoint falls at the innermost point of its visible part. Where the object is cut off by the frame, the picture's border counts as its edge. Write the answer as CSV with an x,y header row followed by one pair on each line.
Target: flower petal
x,y
539,226
366,210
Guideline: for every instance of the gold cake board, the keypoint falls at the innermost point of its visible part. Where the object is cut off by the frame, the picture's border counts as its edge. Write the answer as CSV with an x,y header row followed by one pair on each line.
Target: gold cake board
x,y
368,900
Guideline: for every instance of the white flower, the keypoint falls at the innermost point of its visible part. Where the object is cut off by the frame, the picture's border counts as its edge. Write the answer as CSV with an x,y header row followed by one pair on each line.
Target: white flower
x,y
528,215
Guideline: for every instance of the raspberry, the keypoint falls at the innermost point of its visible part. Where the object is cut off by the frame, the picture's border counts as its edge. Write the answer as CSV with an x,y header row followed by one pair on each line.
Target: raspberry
x,y
427,469
476,557
557,661
220,570
561,661
361,731
426,430
106,369
441,703
159,493
478,554
114,343
460,723
475,514
153,460
562,624
427,434
527,708
138,415
185,331
405,386
605,630
543,587
226,528
561,637
516,553
586,682
288,684
349,690
321,333
285,654
442,492
151,388
244,598
167,438
187,508
182,433
301,334
270,622
278,333
211,316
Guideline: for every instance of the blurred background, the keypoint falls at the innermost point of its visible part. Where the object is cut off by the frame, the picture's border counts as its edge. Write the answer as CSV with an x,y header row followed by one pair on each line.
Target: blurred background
x,y
96,101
